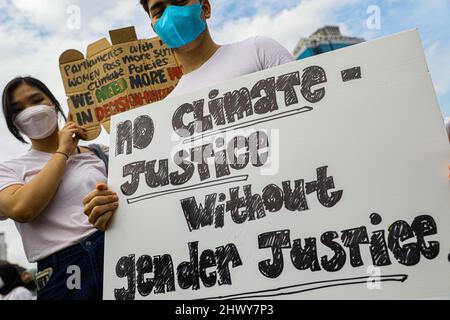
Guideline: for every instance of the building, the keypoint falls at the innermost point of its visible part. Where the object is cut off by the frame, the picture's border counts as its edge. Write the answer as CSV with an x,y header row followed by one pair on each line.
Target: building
x,y
325,39
3,247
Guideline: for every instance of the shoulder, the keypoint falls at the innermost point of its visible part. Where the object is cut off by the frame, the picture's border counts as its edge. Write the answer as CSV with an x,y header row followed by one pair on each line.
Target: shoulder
x,y
13,165
102,147
265,42
252,44
268,44
270,52
11,173
22,163
260,41
21,160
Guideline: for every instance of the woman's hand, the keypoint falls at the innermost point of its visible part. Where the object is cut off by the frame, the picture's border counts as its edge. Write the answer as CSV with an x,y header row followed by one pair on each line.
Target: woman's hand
x,y
69,136
99,206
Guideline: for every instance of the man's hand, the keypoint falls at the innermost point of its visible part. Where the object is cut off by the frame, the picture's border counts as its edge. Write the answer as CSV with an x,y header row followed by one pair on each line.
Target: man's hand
x,y
99,206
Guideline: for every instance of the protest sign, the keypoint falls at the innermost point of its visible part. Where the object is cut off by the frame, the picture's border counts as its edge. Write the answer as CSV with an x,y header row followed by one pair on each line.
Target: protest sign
x,y
116,78
322,178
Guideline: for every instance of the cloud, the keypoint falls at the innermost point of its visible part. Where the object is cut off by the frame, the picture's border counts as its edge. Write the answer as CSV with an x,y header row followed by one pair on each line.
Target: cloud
x,y
287,25
429,17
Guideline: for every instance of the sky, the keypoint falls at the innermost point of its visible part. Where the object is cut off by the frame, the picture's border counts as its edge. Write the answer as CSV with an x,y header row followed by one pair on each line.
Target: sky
x,y
33,33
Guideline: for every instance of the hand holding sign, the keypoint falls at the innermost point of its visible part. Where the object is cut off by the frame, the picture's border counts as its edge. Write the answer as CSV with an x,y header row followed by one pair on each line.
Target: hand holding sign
x,y
279,186
116,77
100,205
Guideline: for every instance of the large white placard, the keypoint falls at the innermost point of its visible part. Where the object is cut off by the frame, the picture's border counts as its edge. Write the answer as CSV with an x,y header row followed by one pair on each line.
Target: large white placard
x,y
323,178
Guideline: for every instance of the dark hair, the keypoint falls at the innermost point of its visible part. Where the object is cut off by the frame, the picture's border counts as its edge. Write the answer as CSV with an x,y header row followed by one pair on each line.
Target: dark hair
x,y
144,4
11,278
7,102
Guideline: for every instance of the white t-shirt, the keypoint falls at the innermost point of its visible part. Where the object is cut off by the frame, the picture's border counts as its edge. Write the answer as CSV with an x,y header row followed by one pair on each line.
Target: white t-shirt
x,y
63,222
19,293
234,60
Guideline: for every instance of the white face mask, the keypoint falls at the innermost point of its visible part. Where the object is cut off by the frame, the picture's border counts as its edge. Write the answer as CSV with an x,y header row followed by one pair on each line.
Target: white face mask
x,y
37,122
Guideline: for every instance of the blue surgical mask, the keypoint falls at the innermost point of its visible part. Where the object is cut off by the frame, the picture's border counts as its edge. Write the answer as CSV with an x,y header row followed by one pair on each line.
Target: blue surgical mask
x,y
180,25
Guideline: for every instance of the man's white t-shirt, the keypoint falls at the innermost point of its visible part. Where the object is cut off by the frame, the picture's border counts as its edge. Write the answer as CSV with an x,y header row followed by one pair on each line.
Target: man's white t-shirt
x,y
63,222
19,293
234,60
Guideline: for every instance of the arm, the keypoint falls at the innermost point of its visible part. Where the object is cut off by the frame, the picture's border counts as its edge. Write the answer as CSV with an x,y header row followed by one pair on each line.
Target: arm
x,y
24,203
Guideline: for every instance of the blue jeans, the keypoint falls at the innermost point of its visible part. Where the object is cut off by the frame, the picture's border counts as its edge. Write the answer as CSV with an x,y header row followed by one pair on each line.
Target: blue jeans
x,y
86,257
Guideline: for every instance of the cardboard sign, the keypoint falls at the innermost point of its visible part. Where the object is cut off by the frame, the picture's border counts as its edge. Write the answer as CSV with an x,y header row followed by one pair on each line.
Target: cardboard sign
x,y
323,178
116,78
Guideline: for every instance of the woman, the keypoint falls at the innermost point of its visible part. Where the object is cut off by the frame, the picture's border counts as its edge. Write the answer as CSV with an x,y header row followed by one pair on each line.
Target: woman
x,y
43,192
11,284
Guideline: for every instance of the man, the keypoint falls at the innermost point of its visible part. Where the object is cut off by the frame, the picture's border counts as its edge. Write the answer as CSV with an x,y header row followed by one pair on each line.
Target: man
x,y
181,24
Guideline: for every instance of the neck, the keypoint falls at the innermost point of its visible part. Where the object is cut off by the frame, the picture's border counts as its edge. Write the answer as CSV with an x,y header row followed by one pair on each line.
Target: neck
x,y
49,144
195,54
